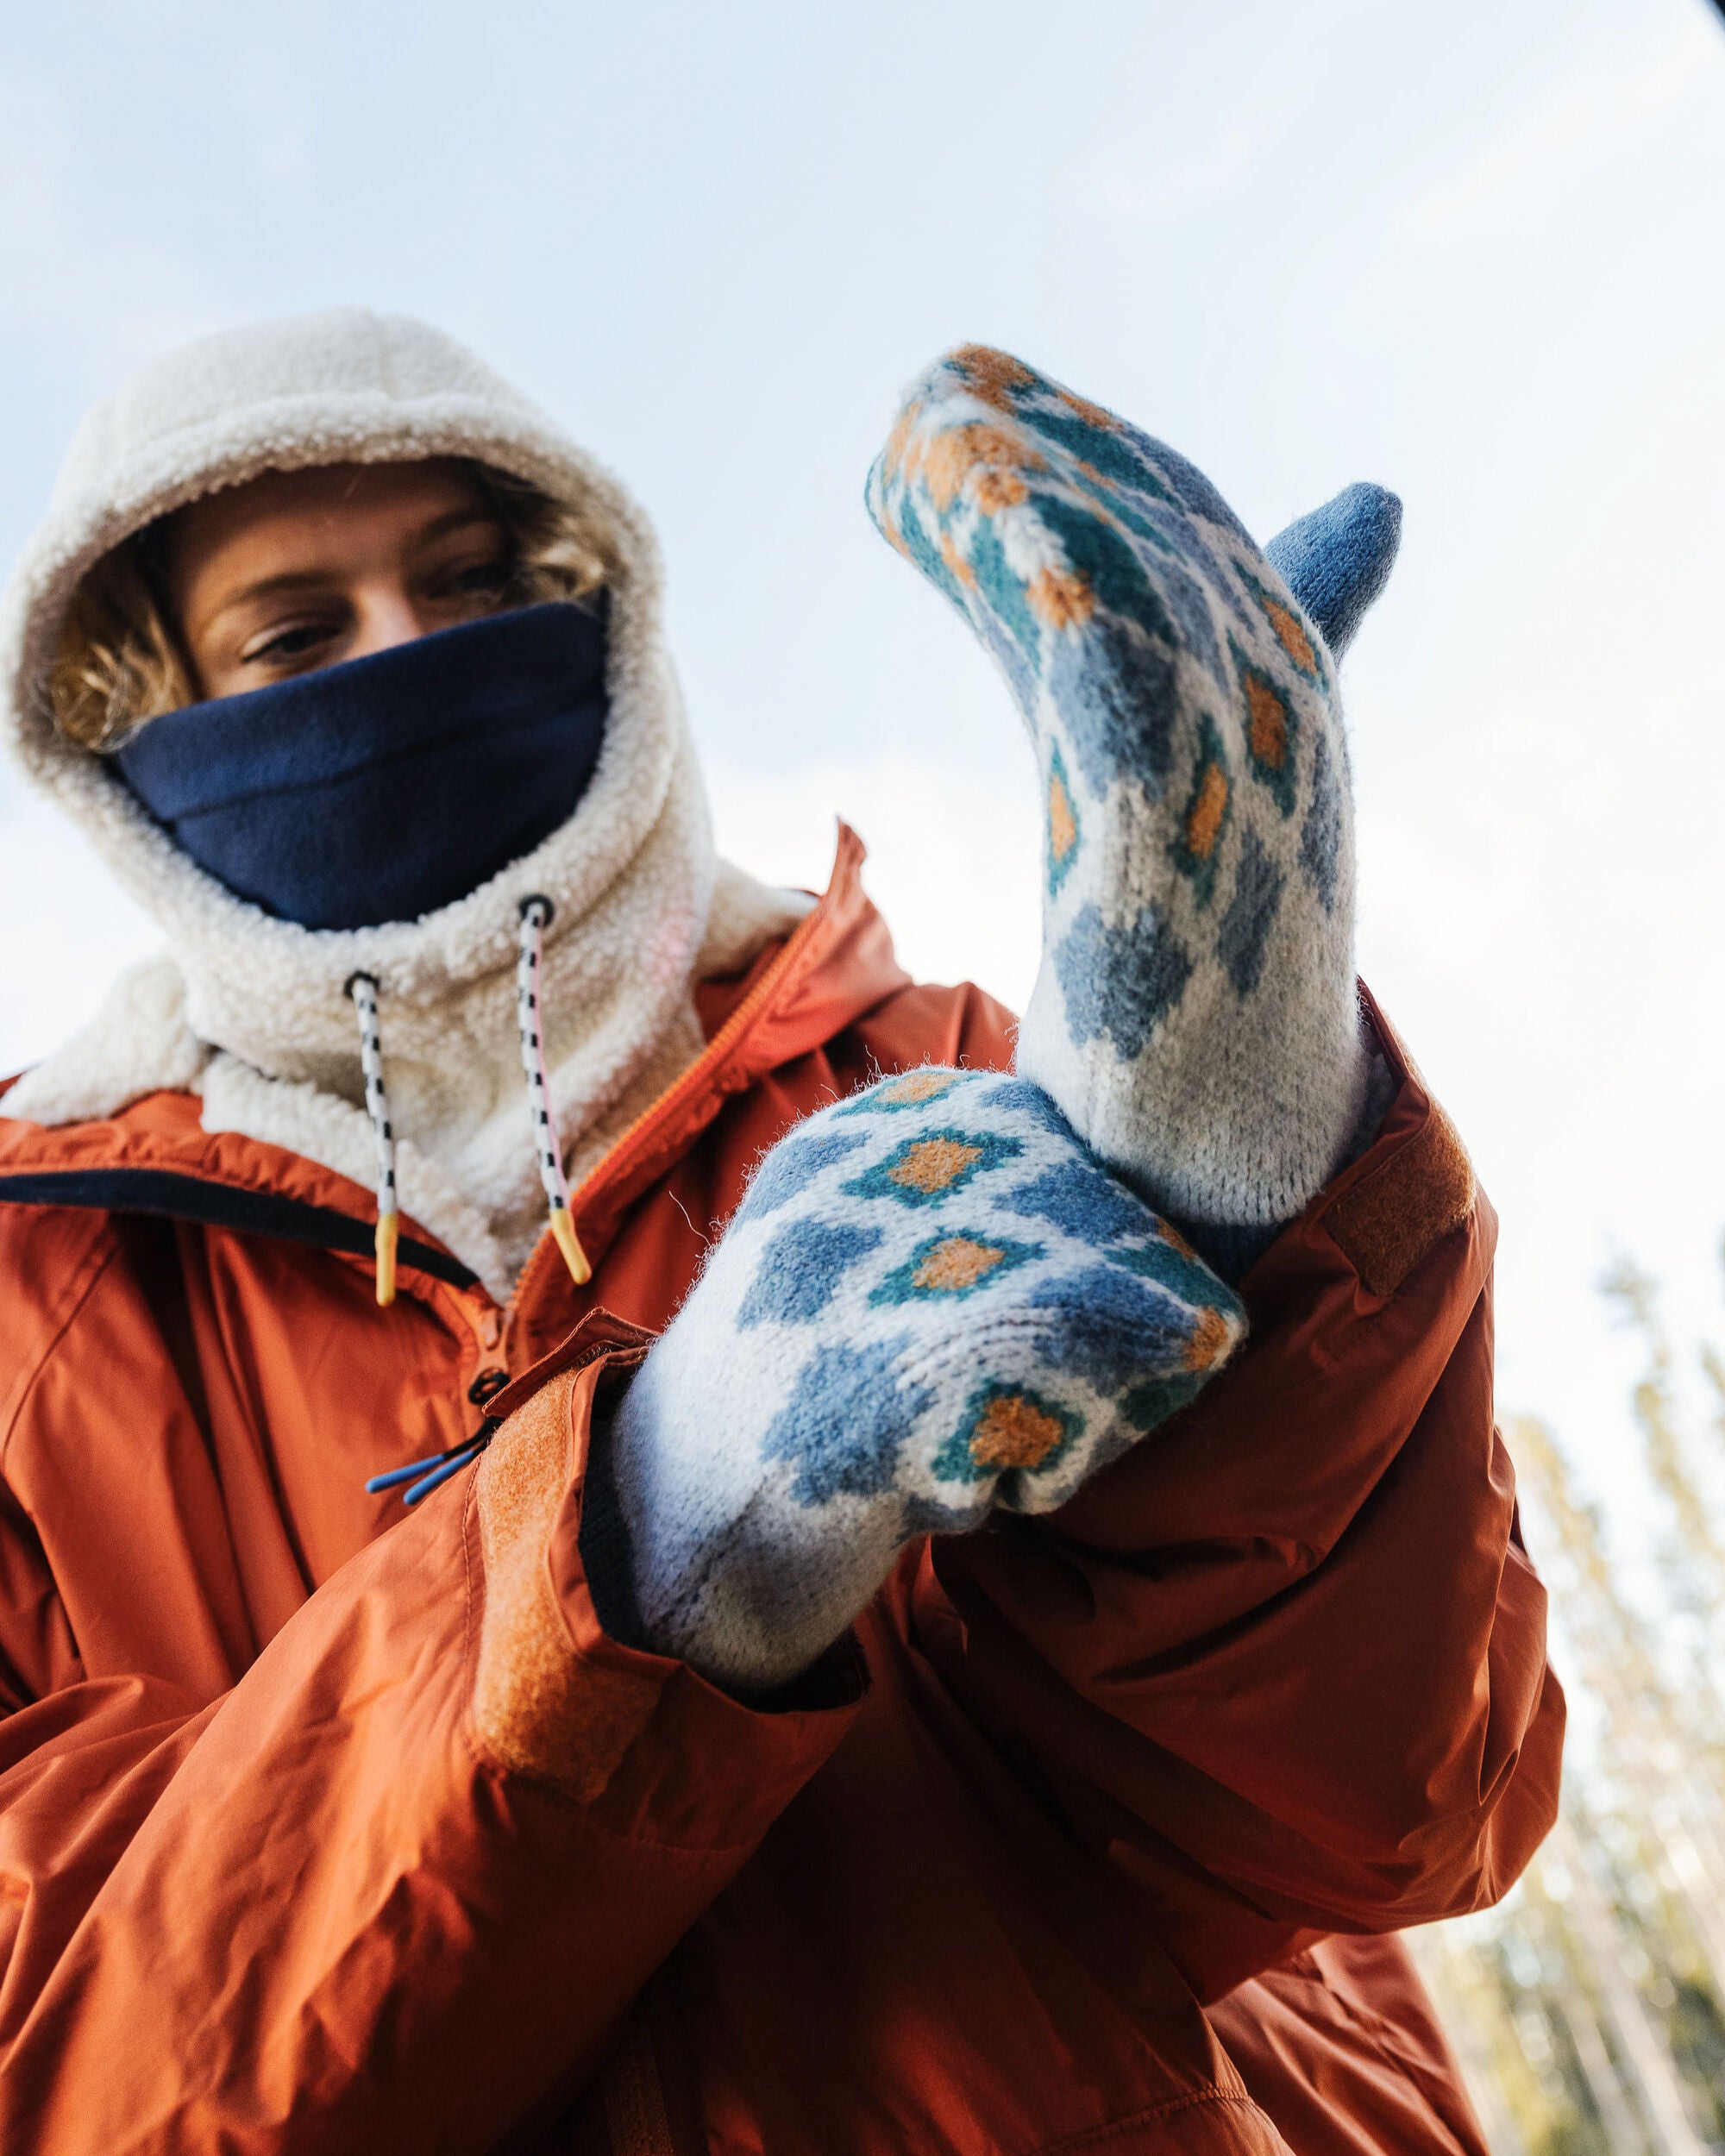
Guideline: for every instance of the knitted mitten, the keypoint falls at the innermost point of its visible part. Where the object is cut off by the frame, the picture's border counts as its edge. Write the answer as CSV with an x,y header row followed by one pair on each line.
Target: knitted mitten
x,y
932,1301
1194,1015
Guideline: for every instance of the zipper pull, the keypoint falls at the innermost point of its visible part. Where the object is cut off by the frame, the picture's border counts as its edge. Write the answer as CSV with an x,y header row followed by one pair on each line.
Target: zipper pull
x,y
487,1383
433,1473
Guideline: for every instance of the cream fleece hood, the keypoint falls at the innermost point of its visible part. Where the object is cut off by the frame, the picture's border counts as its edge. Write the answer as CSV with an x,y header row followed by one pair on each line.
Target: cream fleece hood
x,y
250,1011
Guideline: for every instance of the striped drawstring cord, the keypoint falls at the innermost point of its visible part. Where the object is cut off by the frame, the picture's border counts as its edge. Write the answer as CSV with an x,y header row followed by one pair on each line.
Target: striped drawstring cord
x,y
363,991
535,918
427,1475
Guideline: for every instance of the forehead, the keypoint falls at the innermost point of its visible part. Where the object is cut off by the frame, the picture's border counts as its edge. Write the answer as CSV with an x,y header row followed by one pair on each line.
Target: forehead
x,y
319,504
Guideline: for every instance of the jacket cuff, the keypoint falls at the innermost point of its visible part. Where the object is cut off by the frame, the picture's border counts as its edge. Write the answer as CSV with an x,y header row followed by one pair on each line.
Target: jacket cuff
x,y
652,1748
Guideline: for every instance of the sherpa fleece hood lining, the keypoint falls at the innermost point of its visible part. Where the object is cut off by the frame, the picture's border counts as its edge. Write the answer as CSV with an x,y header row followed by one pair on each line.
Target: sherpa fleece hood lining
x,y
630,874
397,391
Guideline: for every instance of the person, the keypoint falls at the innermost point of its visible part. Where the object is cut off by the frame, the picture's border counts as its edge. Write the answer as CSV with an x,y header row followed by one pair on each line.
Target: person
x,y
869,1662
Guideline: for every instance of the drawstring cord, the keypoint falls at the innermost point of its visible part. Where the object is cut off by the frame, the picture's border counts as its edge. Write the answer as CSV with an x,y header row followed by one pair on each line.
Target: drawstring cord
x,y
363,991
427,1475
535,918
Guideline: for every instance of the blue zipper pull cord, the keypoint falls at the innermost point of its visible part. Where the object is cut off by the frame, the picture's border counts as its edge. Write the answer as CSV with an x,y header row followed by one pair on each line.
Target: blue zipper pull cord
x,y
438,1470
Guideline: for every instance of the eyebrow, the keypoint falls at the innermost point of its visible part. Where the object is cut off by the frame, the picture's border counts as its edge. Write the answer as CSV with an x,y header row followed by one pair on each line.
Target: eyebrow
x,y
292,580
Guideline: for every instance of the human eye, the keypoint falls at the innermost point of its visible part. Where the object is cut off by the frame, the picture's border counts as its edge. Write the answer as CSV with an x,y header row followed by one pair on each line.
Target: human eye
x,y
474,582
485,576
280,647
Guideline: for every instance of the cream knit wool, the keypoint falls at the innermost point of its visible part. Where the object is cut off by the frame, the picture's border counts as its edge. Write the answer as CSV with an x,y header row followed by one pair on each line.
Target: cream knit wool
x,y
251,1010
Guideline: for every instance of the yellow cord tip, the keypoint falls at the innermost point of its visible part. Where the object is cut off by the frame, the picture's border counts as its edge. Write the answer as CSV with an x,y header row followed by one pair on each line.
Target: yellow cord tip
x,y
388,1228
570,1245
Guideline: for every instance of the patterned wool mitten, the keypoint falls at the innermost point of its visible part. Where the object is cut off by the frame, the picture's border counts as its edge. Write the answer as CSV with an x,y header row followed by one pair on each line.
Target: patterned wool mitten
x,y
1195,1014
932,1301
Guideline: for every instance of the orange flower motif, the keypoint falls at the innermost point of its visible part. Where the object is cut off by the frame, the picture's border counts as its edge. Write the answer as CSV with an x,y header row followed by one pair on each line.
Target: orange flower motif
x,y
1063,824
1093,415
918,1085
899,441
983,365
1211,1338
1269,723
955,560
1294,640
945,466
1204,824
985,453
996,490
933,1164
1011,1432
991,376
955,1263
1060,598
1174,1240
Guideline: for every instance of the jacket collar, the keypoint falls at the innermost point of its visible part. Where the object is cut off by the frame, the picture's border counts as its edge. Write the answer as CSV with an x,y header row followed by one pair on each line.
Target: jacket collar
x,y
156,1156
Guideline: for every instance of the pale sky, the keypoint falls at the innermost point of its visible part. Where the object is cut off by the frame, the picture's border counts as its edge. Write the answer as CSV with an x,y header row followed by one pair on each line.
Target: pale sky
x,y
1476,257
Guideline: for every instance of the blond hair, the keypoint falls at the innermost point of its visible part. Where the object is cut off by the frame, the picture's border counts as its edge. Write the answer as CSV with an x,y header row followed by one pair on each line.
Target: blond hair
x,y
120,663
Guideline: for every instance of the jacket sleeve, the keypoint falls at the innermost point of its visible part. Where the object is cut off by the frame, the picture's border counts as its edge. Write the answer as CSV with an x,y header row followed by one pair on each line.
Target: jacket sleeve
x,y
396,1887
1283,1666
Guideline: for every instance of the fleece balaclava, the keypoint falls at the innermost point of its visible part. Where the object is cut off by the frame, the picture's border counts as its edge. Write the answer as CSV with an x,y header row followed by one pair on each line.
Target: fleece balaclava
x,y
251,1010
390,785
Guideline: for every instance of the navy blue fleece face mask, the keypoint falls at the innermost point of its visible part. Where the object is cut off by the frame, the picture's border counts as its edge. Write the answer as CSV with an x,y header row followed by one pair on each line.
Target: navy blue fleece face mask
x,y
387,787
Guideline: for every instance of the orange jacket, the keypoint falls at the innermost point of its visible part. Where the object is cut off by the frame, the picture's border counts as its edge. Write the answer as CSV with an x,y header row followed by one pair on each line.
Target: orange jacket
x,y
325,1826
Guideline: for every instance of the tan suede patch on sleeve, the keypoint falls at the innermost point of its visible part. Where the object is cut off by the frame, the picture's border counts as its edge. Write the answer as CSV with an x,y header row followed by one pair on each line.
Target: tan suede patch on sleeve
x,y
1391,1219
540,1710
